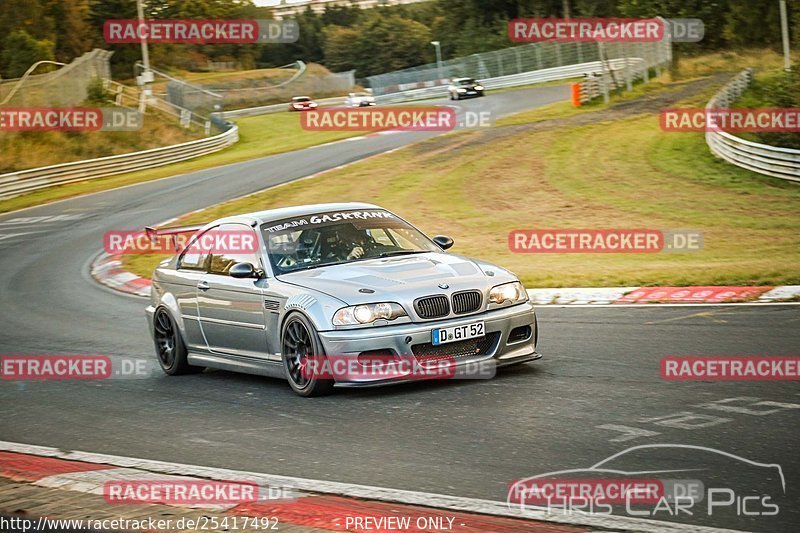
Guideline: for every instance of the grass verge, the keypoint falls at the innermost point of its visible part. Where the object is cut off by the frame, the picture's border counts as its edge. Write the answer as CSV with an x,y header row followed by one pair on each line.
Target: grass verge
x,y
626,173
258,137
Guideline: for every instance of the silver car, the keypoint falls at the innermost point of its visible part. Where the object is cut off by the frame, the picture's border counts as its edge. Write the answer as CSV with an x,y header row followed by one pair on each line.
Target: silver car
x,y
350,283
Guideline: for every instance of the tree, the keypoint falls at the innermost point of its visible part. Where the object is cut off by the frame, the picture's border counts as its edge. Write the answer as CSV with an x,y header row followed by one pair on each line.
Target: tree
x,y
125,55
20,51
753,23
338,46
70,28
381,43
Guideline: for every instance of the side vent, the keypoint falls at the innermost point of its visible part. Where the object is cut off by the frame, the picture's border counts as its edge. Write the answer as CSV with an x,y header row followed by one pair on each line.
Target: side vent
x,y
271,305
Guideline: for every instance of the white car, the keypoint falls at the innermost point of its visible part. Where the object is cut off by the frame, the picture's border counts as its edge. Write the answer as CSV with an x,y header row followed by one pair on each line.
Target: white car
x,y
363,99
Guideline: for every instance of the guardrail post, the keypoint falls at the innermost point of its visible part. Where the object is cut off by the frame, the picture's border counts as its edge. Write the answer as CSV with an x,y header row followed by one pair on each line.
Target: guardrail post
x,y
628,75
646,64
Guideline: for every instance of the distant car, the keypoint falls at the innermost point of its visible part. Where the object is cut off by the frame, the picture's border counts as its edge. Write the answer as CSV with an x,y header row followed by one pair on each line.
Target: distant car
x,y
302,103
334,281
464,88
363,99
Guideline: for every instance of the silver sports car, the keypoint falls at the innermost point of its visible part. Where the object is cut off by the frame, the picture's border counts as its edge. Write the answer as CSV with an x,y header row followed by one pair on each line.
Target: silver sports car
x,y
324,295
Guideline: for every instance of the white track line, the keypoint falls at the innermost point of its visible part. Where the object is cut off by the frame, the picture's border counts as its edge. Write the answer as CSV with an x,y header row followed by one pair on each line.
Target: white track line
x,y
424,499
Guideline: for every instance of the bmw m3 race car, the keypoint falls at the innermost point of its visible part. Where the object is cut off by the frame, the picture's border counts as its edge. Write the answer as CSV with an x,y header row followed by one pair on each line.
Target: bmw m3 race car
x,y
351,283
464,88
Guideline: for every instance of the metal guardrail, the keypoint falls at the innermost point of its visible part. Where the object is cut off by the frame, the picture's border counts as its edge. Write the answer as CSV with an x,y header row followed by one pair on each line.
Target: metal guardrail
x,y
764,159
275,108
516,80
24,181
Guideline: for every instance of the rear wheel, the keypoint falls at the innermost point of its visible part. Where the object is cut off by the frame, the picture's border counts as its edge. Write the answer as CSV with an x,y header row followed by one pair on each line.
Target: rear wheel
x,y
299,344
170,348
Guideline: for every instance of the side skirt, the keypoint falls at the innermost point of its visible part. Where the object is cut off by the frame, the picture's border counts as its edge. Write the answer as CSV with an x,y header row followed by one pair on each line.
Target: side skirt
x,y
236,363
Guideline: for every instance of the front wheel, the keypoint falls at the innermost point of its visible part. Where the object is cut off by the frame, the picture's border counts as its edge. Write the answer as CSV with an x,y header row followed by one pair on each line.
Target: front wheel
x,y
300,344
170,348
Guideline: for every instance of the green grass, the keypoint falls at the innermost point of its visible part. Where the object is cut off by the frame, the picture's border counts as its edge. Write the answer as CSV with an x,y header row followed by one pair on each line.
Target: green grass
x,y
477,187
622,173
258,137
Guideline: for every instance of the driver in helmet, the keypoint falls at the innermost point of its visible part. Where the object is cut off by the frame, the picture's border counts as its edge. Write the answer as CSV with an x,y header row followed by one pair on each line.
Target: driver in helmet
x,y
348,243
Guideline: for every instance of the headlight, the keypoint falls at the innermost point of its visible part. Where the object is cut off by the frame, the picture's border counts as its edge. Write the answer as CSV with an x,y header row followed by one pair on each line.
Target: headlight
x,y
508,292
312,104
479,87
367,313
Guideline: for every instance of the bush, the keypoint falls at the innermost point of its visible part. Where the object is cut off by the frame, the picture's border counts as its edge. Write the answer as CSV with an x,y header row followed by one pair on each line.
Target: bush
x,y
95,92
20,51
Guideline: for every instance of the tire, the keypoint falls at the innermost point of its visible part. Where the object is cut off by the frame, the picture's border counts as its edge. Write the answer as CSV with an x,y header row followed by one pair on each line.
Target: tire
x,y
170,349
299,340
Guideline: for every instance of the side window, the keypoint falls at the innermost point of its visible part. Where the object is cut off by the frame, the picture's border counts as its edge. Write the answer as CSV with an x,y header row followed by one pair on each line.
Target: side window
x,y
194,256
235,243
381,236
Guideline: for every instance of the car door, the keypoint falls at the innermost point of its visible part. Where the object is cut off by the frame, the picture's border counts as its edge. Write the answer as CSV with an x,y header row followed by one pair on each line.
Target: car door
x,y
190,270
231,310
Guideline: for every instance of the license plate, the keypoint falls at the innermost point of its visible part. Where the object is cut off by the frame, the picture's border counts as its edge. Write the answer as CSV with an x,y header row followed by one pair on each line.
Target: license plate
x,y
457,333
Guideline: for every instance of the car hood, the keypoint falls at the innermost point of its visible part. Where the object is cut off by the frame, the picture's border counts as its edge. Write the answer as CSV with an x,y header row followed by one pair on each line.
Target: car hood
x,y
400,279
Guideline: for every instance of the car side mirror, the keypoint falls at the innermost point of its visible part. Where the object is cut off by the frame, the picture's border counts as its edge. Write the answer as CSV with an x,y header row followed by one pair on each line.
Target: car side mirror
x,y
243,270
443,241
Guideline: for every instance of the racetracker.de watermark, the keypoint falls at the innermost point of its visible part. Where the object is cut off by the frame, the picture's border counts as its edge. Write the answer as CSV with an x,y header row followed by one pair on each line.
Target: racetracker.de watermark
x,y
389,367
192,492
73,367
731,120
394,118
435,118
645,241
727,368
133,242
630,30
247,31
558,491
69,119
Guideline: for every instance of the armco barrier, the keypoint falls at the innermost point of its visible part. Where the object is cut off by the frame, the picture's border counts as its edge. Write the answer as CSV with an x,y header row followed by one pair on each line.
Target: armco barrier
x,y
516,80
276,108
769,160
24,181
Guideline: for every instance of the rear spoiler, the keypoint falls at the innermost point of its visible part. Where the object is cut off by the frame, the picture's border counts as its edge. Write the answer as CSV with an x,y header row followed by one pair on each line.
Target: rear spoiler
x,y
178,235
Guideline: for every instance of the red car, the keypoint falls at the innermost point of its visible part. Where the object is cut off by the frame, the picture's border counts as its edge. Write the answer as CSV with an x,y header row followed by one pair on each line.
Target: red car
x,y
302,103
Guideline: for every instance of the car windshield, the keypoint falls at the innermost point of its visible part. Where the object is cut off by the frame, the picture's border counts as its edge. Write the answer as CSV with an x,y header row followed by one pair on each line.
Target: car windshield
x,y
340,237
466,81
301,99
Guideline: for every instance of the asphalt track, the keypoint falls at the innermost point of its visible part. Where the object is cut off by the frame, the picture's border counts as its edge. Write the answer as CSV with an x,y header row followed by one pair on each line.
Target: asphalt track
x,y
596,392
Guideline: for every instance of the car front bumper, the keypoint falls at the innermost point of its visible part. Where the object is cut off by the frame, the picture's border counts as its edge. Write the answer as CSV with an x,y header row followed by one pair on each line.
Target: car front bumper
x,y
406,339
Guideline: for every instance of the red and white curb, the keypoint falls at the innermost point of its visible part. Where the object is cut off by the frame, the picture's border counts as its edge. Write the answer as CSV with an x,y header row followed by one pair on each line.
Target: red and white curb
x,y
320,504
664,295
107,270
